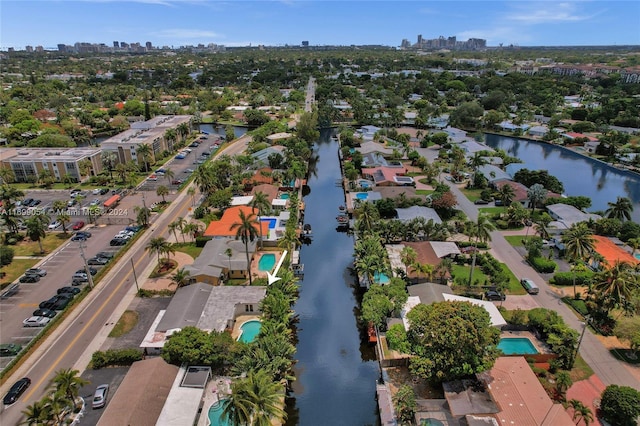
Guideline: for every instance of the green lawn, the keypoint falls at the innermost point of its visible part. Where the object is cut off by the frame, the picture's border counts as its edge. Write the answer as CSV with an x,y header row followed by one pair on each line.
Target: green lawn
x,y
16,269
423,191
471,194
490,211
188,248
31,248
516,240
478,276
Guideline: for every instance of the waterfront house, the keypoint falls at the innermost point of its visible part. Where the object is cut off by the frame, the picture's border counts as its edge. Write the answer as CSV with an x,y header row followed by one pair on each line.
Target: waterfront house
x,y
564,216
371,147
519,190
591,146
262,156
413,212
493,173
215,263
538,131
366,132
390,175
611,253
224,226
261,176
427,253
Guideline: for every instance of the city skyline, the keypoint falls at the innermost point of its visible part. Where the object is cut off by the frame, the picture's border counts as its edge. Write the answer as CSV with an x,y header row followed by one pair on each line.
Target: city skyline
x,y
176,23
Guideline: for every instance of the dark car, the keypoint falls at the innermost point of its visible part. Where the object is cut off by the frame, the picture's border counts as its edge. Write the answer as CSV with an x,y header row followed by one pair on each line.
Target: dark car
x,y
10,349
16,390
72,291
27,202
104,191
133,228
498,203
176,182
29,278
36,202
97,261
494,295
117,242
47,313
92,271
481,201
79,237
57,302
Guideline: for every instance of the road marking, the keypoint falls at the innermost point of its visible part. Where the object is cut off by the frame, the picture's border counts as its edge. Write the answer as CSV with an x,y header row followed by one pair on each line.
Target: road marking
x,y
27,305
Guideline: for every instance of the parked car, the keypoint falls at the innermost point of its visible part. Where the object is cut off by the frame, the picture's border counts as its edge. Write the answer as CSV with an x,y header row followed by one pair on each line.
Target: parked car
x,y
72,291
79,237
180,156
36,202
176,182
57,302
36,271
480,201
104,191
95,202
55,224
36,321
44,313
194,145
133,228
75,191
100,396
29,278
10,349
80,276
117,242
106,254
27,202
494,295
72,202
188,171
16,390
92,271
97,261
153,178
77,225
498,203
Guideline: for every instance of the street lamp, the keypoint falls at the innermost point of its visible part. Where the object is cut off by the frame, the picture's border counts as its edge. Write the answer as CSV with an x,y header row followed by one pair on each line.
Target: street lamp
x,y
86,267
584,328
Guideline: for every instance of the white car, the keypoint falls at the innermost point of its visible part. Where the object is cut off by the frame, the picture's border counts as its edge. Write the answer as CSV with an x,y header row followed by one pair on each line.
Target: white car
x,y
96,191
36,321
95,202
55,225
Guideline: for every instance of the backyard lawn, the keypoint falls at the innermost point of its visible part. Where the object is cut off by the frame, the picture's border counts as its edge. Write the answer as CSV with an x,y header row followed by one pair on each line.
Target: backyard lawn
x,y
471,194
478,276
188,248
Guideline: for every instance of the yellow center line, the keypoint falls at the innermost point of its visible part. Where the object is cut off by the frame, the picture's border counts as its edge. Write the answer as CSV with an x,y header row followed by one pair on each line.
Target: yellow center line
x,y
45,376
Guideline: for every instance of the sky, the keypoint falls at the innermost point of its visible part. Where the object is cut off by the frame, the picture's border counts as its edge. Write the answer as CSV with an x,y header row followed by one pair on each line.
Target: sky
x,y
177,23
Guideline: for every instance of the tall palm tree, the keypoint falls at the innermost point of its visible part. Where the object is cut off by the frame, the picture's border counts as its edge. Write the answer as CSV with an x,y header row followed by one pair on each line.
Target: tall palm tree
x,y
58,405
64,219
256,400
191,229
476,161
181,277
289,239
37,414
182,222
173,227
205,179
229,253
616,284
162,191
157,246
506,194
68,382
444,268
579,242
424,268
261,203
246,231
483,228
192,192
169,174
109,161
367,215
621,209
408,256
36,230
536,195
581,412
7,175
142,215
144,151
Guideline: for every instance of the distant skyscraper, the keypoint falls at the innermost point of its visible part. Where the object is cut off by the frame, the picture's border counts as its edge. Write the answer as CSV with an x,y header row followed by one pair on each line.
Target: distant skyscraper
x,y
149,46
305,43
116,44
62,47
28,48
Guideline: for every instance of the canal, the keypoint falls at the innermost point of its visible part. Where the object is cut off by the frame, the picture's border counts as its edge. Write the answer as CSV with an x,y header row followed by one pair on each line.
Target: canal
x,y
579,174
335,372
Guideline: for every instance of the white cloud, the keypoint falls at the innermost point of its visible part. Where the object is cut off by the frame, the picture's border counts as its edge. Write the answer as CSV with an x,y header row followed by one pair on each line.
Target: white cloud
x,y
185,34
546,12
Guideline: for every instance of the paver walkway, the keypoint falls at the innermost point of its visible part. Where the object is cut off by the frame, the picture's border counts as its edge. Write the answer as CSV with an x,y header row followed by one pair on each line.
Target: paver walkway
x,y
164,282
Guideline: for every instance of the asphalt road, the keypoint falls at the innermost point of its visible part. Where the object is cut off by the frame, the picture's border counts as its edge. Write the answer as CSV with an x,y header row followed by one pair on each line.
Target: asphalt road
x,y
67,344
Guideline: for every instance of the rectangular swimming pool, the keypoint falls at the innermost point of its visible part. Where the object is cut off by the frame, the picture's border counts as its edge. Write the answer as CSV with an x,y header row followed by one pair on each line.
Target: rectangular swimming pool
x,y
270,221
517,346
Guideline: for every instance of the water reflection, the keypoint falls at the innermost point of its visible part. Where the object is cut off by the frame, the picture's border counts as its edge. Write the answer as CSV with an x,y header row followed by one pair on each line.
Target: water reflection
x,y
335,372
580,175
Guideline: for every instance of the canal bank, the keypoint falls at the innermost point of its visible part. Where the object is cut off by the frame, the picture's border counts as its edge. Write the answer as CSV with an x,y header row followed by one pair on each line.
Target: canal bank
x,y
336,371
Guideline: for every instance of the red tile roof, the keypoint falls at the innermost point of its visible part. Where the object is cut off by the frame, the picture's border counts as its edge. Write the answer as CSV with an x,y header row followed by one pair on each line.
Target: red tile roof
x,y
611,252
222,227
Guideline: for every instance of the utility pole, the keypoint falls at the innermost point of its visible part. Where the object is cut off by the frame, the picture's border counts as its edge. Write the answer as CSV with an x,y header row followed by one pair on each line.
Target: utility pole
x,y
135,277
584,328
86,266
146,212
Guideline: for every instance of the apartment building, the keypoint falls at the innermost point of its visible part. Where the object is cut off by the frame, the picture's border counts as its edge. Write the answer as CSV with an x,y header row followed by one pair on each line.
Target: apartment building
x,y
28,163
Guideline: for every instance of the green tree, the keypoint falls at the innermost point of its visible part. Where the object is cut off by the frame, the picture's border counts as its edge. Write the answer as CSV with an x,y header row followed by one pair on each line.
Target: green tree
x,y
616,284
408,256
255,400
162,191
628,329
581,412
563,382
536,195
260,202
404,402
64,219
142,215
307,127
68,382
37,414
158,246
506,194
620,405
620,210
579,242
181,277
483,228
36,229
144,153
246,231
193,346
451,340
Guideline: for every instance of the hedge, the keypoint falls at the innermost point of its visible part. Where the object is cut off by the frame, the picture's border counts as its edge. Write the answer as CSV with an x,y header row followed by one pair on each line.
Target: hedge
x,y
478,244
119,357
579,305
566,278
543,265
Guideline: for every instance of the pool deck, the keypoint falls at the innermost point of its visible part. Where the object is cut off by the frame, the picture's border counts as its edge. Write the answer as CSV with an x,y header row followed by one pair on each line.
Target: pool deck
x,y
217,388
255,271
239,320
540,346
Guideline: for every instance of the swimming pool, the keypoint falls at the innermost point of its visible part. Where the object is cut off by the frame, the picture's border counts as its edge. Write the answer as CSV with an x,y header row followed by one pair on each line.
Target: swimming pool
x,y
271,221
215,415
266,262
380,278
284,196
249,331
517,346
362,195
637,256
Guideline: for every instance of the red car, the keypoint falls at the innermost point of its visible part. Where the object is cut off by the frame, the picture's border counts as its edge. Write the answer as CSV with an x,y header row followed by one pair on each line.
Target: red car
x,y
176,182
78,225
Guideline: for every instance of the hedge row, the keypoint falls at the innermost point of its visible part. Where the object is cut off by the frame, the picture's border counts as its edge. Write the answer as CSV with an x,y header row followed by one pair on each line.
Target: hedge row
x,y
115,357
478,244
566,278
543,265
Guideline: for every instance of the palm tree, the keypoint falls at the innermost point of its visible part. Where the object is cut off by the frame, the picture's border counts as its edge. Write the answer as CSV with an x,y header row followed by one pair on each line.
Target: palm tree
x,y
255,400
192,192
621,209
563,382
289,239
577,267
36,230
408,256
169,174
191,229
370,264
581,412
617,283
506,194
68,382
157,246
483,228
173,227
109,161
579,242
424,268
246,231
444,268
37,414
476,162
85,167
162,191
634,243
367,215
261,203
182,222
144,151
64,219
229,253
142,215
181,277
536,195
7,175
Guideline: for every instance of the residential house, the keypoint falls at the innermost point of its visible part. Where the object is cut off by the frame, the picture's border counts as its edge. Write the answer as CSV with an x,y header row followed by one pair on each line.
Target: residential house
x,y
224,227
574,135
508,126
538,131
493,173
220,259
367,132
261,176
262,156
591,146
370,147
429,253
391,175
610,253
279,137
519,190
564,216
413,212
470,147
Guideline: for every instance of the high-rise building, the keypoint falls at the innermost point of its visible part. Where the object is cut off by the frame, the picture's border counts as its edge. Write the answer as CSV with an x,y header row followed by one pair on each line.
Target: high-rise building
x,y
28,48
116,44
305,43
149,45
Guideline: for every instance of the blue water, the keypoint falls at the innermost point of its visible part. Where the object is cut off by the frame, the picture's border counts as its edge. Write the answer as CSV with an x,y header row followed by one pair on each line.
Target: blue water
x,y
215,415
637,256
365,184
362,195
250,330
266,262
380,278
272,222
579,174
517,346
284,196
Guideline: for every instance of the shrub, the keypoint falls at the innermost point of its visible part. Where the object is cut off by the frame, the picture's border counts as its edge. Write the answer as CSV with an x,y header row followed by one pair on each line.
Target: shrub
x,y
566,278
543,265
578,305
478,244
502,224
6,255
201,241
620,405
397,339
115,357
